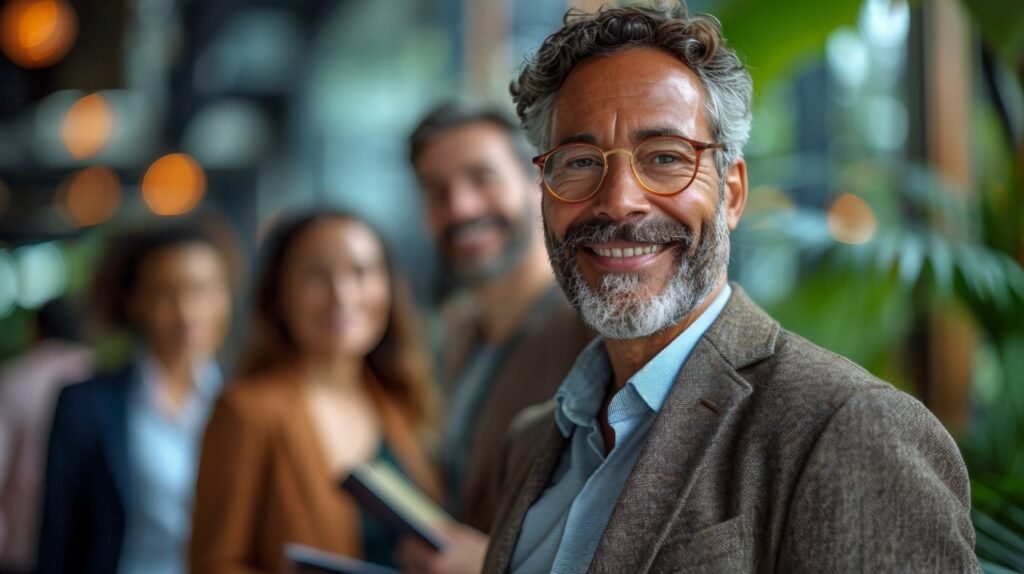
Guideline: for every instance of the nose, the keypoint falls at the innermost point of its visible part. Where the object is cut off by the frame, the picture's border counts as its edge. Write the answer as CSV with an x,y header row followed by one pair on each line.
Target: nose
x,y
188,311
186,308
345,288
620,196
464,203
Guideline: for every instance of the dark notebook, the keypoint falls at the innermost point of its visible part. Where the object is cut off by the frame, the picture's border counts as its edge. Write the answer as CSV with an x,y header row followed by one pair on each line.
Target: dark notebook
x,y
387,495
307,560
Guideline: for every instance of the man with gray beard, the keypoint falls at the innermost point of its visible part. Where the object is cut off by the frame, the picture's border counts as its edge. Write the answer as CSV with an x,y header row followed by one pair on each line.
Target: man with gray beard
x,y
695,435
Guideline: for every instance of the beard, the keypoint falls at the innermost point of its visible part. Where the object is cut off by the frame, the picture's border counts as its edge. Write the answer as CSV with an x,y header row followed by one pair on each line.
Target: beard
x,y
475,272
622,306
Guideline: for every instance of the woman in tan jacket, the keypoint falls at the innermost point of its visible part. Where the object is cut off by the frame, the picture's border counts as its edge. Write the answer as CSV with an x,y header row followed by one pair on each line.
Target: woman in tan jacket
x,y
333,376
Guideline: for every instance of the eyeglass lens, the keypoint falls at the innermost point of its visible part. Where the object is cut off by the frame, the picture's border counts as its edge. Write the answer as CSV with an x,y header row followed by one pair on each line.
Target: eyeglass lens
x,y
663,165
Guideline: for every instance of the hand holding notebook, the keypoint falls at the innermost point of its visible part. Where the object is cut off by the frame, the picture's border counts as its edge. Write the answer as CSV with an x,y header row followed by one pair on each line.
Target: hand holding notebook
x,y
383,492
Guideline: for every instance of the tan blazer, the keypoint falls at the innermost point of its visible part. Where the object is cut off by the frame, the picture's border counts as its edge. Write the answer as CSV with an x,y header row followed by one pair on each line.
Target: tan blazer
x,y
530,374
263,481
769,455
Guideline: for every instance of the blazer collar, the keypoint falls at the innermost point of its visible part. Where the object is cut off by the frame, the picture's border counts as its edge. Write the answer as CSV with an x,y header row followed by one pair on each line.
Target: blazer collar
x,y
703,402
461,324
743,334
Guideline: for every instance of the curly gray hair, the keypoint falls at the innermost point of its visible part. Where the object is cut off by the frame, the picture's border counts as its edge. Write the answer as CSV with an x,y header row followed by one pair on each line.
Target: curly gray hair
x,y
696,40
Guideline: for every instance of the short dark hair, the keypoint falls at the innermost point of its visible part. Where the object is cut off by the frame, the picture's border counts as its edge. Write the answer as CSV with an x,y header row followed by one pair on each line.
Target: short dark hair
x,y
456,113
127,251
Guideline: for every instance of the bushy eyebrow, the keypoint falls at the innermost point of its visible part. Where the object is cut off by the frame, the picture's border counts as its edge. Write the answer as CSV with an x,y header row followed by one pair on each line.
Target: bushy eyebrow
x,y
657,132
578,138
637,136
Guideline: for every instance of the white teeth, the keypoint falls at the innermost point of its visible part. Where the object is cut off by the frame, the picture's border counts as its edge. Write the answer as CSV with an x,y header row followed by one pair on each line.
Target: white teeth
x,y
628,251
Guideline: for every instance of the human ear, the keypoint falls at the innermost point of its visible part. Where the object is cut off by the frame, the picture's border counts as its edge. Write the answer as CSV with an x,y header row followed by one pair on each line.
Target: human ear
x,y
735,193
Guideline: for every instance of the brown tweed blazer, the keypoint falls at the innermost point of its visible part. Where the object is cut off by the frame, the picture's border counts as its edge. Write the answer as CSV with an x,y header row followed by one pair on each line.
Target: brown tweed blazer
x,y
264,481
770,455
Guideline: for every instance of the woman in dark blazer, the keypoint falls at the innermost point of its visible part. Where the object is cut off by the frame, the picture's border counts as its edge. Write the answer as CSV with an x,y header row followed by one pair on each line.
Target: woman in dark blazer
x,y
123,446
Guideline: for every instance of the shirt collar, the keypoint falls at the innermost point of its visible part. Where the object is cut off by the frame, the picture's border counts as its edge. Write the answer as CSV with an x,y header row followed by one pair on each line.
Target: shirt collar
x,y
207,378
579,398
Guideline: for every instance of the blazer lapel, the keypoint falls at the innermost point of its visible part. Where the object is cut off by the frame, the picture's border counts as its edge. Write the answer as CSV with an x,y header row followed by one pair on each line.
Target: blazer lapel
x,y
546,456
461,331
705,397
112,420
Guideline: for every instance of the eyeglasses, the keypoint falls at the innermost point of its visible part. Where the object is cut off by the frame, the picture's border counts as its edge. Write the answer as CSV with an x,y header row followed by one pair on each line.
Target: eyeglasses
x,y
663,165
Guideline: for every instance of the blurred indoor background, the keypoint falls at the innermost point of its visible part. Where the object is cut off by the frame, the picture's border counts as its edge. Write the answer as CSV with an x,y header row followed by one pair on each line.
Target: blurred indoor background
x,y
885,221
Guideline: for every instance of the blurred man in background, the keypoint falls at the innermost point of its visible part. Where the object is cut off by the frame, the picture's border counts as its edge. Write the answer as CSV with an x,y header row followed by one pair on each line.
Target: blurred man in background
x,y
29,385
511,336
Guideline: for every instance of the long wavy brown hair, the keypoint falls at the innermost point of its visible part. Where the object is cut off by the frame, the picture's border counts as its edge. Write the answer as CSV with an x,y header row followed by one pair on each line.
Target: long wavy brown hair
x,y
399,361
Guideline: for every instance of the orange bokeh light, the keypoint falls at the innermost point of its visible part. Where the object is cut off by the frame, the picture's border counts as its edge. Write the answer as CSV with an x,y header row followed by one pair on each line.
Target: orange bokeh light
x,y
173,185
90,196
37,33
87,126
851,220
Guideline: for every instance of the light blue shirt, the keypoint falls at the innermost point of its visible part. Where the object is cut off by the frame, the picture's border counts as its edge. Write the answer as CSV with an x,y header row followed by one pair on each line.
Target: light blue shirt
x,y
163,453
561,530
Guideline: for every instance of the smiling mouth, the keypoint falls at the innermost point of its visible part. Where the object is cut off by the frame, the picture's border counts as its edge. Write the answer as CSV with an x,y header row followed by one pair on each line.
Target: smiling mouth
x,y
623,252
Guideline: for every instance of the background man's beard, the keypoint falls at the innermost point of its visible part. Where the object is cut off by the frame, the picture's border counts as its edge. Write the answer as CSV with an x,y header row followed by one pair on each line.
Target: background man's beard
x,y
518,233
621,307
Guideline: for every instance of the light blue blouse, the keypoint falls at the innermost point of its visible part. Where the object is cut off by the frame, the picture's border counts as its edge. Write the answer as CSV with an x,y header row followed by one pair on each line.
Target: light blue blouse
x,y
163,455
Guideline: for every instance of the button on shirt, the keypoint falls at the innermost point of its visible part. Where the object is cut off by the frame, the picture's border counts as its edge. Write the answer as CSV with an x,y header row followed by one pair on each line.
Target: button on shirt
x,y
163,453
561,531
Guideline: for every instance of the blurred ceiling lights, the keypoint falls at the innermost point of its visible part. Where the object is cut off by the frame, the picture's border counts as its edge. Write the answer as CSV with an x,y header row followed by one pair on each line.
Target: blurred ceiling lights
x,y
173,184
228,134
37,33
87,126
41,274
89,196
851,220
258,51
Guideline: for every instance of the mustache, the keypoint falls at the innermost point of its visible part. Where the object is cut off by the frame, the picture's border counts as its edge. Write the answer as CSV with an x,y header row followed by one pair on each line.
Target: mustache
x,y
454,229
659,231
